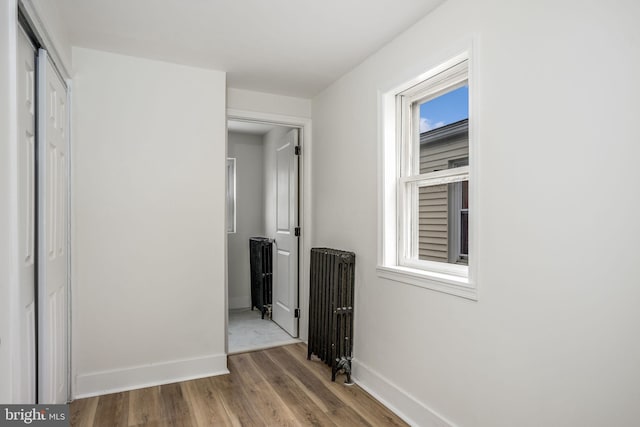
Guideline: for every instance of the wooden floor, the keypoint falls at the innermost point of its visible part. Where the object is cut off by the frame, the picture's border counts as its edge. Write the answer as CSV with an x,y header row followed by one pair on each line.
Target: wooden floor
x,y
274,387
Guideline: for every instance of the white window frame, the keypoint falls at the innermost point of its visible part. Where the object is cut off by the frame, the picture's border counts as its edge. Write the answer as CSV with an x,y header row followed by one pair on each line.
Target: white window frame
x,y
397,258
231,195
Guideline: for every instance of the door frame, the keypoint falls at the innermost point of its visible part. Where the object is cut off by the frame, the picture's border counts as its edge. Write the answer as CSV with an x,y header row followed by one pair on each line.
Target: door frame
x,y
304,209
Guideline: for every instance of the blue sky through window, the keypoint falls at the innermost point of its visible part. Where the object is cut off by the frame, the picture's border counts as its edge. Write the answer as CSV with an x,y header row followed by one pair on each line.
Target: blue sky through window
x,y
446,109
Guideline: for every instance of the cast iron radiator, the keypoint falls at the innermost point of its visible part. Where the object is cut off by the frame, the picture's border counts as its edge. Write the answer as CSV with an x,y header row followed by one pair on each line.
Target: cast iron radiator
x,y
331,309
261,274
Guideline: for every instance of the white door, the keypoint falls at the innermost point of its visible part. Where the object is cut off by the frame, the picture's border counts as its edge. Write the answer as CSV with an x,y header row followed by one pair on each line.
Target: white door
x,y
52,233
26,369
285,260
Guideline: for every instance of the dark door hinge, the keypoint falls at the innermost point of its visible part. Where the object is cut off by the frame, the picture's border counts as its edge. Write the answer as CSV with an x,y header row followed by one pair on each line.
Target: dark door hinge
x,y
298,150
296,313
297,231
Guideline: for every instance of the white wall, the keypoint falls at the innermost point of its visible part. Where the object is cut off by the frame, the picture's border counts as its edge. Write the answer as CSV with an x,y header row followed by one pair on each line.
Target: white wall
x,y
149,149
553,339
248,100
249,154
8,194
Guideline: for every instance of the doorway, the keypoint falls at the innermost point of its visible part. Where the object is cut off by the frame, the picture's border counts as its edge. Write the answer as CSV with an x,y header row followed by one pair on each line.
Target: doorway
x,y
262,201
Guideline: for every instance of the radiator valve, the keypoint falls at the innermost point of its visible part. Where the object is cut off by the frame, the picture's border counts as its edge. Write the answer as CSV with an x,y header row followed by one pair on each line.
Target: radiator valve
x,y
344,367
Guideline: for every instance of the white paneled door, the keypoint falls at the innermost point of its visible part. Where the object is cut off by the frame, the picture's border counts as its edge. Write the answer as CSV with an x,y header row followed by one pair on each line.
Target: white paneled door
x,y
53,230
25,371
285,268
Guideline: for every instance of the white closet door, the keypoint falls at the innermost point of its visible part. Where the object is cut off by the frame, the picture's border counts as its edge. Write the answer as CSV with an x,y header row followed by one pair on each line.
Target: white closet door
x,y
25,371
285,259
53,172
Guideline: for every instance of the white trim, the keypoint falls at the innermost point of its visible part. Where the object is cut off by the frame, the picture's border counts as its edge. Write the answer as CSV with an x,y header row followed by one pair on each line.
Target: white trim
x,y
269,118
452,78
446,176
117,380
387,188
437,267
305,215
433,280
396,399
69,244
474,166
231,163
9,181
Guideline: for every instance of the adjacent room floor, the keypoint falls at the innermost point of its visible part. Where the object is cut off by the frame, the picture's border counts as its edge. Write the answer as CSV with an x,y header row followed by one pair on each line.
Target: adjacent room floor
x,y
248,331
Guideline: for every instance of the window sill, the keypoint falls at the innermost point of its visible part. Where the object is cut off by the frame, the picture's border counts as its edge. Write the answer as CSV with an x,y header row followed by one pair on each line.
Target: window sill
x,y
449,284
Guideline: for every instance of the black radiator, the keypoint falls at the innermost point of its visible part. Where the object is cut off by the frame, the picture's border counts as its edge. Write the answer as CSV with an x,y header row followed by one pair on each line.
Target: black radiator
x,y
261,274
331,308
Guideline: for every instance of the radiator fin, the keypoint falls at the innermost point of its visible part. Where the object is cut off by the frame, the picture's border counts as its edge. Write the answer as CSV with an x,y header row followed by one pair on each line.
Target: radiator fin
x,y
260,251
331,298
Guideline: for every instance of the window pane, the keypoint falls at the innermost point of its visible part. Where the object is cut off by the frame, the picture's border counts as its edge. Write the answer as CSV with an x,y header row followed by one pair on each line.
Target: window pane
x,y
464,233
445,109
443,219
433,223
444,131
444,144
465,195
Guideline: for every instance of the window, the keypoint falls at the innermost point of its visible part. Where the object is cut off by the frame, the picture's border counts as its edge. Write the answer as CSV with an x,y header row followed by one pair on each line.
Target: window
x,y
231,195
426,158
458,225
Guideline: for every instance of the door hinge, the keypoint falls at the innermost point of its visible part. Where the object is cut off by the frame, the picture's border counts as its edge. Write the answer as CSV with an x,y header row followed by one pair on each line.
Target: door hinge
x,y
298,150
296,231
296,313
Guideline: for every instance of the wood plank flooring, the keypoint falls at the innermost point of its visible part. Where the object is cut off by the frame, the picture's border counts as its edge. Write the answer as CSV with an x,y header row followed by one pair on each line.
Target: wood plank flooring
x,y
274,387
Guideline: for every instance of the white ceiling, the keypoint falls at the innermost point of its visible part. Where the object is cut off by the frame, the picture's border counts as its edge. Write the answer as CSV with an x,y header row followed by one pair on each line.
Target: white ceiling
x,y
288,47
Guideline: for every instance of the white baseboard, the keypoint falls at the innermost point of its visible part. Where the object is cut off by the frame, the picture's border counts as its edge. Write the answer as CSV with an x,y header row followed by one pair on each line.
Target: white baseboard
x,y
397,400
240,302
99,383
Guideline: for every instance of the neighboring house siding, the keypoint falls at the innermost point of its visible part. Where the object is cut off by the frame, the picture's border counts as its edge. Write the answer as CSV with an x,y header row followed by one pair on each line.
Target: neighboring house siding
x,y
433,240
